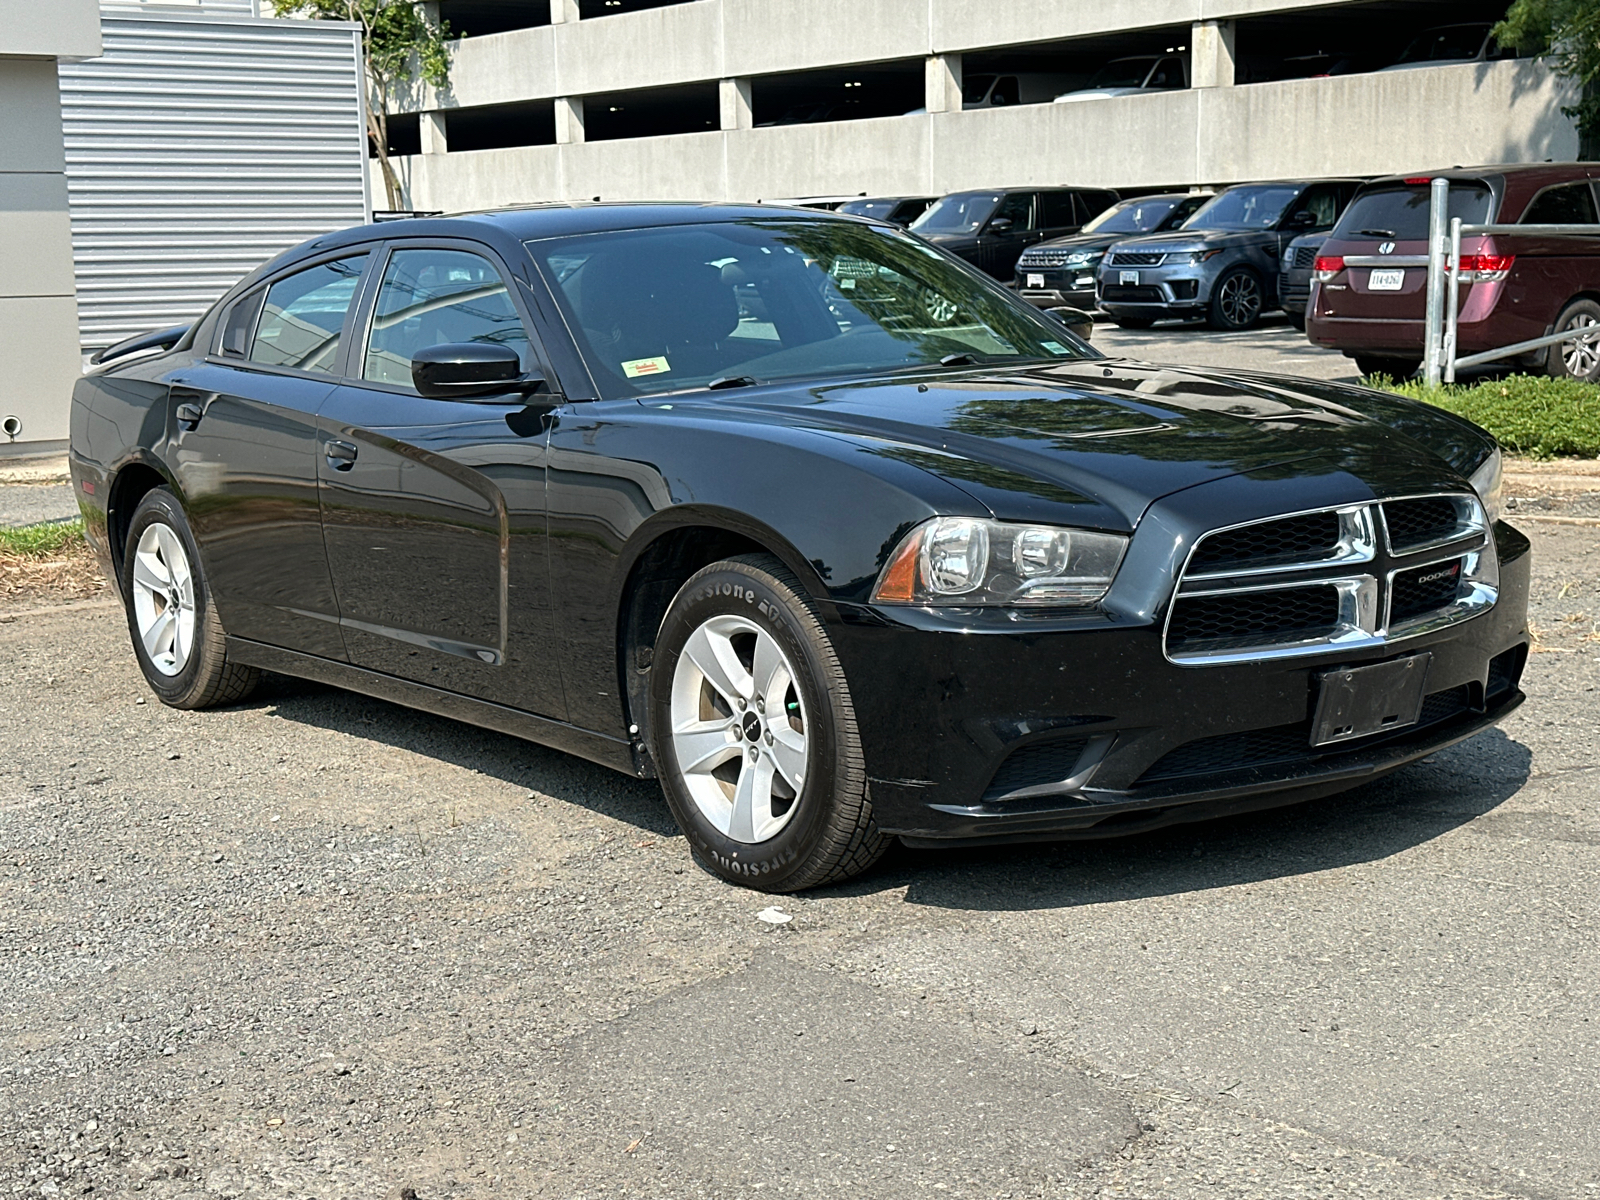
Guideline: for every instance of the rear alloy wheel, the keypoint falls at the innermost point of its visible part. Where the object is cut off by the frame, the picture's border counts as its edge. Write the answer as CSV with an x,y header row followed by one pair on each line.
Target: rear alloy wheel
x,y
754,735
177,637
1579,358
1236,301
1397,369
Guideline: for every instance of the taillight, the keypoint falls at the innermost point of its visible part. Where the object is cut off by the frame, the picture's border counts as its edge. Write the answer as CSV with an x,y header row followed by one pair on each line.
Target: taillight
x,y
1485,268
1327,266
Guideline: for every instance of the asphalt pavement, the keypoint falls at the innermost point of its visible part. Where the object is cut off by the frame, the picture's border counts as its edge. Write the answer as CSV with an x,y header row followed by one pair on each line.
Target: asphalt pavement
x,y
316,945
1273,345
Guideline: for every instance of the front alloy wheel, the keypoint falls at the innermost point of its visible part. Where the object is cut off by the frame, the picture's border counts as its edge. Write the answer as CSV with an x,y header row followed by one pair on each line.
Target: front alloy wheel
x,y
753,731
739,728
1237,301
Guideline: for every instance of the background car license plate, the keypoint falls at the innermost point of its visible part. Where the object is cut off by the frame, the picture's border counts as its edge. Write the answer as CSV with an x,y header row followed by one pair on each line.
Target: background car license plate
x,y
1386,281
1353,702
1036,281
1128,277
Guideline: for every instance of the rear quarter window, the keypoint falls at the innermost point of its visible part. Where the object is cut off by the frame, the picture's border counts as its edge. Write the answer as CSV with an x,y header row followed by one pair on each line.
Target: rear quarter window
x,y
1400,212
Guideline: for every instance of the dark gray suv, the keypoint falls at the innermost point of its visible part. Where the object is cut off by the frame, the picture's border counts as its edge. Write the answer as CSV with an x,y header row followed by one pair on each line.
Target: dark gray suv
x,y
1223,264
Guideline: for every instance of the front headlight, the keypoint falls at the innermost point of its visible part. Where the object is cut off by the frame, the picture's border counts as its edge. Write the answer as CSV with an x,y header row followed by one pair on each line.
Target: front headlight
x,y
966,561
1489,482
1081,258
1199,256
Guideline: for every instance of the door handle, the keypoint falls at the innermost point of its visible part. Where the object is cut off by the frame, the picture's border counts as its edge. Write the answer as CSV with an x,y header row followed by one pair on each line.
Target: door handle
x,y
188,415
341,455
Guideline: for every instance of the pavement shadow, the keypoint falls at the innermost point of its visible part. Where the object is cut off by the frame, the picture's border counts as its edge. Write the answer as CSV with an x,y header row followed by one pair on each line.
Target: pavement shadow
x,y
521,763
1367,824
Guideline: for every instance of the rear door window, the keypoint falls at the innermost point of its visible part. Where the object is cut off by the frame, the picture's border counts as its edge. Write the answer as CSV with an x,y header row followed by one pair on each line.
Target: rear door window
x,y
1399,212
1564,204
303,318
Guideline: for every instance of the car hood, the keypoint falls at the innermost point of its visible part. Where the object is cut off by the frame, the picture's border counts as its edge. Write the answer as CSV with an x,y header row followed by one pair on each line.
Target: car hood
x,y
947,240
1095,441
1080,241
1181,240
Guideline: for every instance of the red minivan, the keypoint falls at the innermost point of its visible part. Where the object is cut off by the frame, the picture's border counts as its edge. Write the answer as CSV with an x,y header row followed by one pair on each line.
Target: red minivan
x,y
1369,288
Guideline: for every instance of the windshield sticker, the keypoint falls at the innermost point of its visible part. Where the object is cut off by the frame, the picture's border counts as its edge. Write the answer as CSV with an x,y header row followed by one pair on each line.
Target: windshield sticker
x,y
1055,348
636,367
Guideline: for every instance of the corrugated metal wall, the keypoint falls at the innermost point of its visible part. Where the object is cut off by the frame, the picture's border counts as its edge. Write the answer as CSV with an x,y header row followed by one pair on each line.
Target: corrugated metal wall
x,y
198,147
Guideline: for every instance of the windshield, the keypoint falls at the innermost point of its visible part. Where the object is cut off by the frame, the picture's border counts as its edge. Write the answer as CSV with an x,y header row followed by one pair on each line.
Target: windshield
x,y
964,212
1447,43
1245,208
1122,72
1396,212
667,309
868,208
975,87
1133,216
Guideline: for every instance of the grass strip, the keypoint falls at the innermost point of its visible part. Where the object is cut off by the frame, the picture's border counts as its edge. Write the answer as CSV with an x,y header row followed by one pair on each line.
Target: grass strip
x,y
1532,415
42,541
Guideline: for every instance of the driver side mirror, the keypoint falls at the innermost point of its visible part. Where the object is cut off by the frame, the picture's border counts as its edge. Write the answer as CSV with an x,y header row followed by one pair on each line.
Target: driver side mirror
x,y
999,225
469,370
1075,319
1304,219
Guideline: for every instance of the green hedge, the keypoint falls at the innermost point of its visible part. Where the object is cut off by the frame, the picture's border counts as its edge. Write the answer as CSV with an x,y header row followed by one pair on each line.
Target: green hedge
x,y
1533,415
41,541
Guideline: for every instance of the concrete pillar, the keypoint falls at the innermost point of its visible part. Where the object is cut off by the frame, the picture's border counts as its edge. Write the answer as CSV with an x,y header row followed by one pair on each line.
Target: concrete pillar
x,y
942,83
569,119
737,110
562,11
434,138
1211,54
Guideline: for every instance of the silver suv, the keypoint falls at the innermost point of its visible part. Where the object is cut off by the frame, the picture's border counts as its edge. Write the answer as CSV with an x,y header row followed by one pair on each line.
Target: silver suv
x,y
1223,264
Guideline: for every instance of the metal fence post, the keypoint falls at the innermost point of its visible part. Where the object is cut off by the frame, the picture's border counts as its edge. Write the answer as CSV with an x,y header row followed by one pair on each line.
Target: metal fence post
x,y
1438,208
1452,310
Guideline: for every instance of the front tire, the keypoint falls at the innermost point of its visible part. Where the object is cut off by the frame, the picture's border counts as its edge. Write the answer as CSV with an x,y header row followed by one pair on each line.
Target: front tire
x,y
177,638
1578,359
1236,301
754,734
1134,322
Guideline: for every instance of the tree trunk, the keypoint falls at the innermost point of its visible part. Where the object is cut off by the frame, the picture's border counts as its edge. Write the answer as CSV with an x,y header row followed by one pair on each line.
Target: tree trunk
x,y
1589,124
378,131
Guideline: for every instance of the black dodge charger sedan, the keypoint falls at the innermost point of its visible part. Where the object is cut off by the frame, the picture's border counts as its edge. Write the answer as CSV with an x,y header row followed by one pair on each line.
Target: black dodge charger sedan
x,y
834,536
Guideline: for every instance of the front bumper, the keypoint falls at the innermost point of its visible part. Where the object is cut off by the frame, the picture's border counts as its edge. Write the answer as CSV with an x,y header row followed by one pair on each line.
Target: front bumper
x,y
1054,287
947,715
1161,291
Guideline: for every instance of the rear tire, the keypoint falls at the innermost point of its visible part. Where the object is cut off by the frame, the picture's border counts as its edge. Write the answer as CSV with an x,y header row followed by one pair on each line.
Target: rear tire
x,y
1581,359
754,734
1395,368
1134,322
177,637
1237,300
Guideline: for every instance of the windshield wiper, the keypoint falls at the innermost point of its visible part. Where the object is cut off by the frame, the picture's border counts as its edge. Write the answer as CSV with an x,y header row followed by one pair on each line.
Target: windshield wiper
x,y
960,359
732,381
1383,233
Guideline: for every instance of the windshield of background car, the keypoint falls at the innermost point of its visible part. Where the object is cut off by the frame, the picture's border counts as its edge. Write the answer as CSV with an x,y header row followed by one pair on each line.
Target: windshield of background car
x,y
1122,72
964,212
1244,208
868,208
1136,216
1453,42
975,87
667,309
1400,213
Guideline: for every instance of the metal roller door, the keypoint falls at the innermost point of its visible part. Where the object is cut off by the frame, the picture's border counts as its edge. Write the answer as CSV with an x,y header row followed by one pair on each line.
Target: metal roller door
x,y
198,147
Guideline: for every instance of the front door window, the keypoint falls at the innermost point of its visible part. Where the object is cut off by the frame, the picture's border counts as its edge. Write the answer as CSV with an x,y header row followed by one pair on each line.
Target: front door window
x,y
432,297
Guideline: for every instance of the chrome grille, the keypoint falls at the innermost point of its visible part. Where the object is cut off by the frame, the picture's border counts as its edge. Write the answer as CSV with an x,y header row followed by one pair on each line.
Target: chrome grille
x,y
1044,258
1137,258
1333,579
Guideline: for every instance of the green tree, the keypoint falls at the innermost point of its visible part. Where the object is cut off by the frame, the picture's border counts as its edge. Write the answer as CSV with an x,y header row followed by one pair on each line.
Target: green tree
x,y
402,42
1567,33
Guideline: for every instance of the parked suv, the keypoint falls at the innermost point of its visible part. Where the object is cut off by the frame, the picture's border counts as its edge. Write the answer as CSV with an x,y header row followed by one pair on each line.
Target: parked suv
x,y
1371,277
1294,276
991,228
1223,264
1061,271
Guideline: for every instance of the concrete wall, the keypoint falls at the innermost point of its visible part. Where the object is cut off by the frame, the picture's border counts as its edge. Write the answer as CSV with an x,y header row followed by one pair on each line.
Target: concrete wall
x,y
38,305
1353,124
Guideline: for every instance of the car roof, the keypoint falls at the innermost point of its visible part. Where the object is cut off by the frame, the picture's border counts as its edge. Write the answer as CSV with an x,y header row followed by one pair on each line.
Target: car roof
x,y
1540,173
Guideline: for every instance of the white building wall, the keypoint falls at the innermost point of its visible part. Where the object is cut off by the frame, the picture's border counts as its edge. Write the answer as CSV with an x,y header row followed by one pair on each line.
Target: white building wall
x,y
38,310
1349,125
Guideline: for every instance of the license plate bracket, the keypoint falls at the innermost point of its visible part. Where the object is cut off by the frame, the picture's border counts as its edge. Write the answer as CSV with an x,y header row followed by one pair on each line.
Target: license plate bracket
x,y
1128,278
1356,702
1387,280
